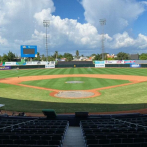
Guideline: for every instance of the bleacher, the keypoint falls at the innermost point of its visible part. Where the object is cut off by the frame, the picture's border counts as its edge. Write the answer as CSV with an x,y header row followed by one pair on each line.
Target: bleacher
x,y
32,133
115,132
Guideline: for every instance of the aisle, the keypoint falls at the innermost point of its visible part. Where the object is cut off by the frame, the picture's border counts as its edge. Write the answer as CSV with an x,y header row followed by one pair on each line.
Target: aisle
x,y
73,138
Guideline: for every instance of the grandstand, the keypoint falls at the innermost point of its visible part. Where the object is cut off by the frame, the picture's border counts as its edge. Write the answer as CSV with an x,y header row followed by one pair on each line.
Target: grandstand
x,y
121,130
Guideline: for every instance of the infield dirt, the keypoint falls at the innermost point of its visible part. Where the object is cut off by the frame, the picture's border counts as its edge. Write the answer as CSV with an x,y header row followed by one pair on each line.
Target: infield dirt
x,y
17,81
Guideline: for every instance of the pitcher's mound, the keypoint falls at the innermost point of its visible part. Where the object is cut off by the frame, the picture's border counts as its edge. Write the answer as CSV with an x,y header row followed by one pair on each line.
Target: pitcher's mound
x,y
74,94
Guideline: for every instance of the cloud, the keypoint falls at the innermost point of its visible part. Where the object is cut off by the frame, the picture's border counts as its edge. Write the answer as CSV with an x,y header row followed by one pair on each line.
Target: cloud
x,y
124,41
118,13
22,24
3,41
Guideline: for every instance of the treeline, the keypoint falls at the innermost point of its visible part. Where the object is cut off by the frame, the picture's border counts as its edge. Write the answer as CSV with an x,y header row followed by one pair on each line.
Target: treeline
x,y
10,56
120,56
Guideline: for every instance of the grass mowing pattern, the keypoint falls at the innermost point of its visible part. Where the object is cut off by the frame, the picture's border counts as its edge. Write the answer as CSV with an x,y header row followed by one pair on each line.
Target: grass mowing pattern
x,y
25,99
89,83
56,71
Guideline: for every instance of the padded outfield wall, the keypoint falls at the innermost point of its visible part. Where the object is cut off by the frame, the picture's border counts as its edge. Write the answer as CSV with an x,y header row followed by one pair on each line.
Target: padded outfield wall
x,y
72,64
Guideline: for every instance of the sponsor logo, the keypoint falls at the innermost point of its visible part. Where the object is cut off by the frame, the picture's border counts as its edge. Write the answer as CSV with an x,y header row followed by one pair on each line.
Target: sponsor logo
x,y
5,67
129,61
135,65
99,65
99,62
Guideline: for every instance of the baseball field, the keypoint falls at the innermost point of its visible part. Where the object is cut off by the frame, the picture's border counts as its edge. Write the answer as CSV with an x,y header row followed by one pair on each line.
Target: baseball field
x,y
114,89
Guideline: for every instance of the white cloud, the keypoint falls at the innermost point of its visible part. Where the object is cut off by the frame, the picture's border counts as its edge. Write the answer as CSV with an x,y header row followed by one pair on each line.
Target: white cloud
x,y
22,23
118,13
124,41
3,41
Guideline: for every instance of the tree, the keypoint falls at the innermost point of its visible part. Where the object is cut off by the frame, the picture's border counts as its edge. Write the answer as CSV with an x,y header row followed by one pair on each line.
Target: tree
x,y
5,58
77,53
93,55
51,58
69,58
56,55
11,56
110,58
98,57
143,56
0,58
122,56
66,55
37,58
43,58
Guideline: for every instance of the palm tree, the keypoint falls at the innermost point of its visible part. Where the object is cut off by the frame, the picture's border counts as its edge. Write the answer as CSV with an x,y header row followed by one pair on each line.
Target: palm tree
x,y
56,54
77,53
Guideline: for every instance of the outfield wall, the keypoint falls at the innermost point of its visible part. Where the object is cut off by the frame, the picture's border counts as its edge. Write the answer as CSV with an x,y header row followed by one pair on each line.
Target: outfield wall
x,y
97,64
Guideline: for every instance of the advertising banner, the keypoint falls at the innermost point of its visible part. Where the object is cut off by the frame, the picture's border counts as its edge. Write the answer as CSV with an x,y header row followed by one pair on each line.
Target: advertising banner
x,y
20,63
135,65
141,61
10,63
114,61
43,62
32,63
50,64
5,67
100,64
129,61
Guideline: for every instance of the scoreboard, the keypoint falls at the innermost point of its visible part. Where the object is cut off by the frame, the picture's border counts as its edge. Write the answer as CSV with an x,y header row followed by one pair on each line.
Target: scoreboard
x,y
28,50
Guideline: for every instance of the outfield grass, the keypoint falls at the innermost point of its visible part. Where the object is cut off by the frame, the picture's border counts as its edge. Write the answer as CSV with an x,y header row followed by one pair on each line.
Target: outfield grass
x,y
56,71
88,83
25,99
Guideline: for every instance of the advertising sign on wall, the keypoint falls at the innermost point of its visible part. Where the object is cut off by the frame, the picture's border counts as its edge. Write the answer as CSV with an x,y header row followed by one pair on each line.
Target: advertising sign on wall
x,y
10,63
114,61
31,63
100,64
129,61
135,65
50,64
5,67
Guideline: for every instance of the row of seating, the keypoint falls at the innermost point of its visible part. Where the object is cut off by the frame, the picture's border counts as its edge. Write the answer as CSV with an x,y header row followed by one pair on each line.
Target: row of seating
x,y
113,132
39,133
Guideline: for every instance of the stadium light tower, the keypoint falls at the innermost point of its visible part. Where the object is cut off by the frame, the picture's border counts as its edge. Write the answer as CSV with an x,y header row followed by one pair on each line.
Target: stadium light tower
x,y
46,24
103,22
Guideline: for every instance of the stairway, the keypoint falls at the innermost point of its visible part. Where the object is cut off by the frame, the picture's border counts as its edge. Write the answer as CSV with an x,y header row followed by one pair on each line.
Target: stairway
x,y
73,138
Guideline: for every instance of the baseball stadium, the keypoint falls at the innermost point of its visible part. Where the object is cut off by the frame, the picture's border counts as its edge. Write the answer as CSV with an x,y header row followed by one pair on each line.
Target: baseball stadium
x,y
73,73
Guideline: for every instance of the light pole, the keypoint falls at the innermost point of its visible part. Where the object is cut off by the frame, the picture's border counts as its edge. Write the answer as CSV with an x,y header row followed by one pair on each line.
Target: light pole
x,y
103,22
46,24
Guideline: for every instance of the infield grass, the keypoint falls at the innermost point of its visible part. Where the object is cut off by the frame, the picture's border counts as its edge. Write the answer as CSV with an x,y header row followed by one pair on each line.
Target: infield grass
x,y
88,83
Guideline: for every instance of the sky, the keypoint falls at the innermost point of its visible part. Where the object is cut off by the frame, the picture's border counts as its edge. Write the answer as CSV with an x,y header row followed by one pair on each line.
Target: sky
x,y
74,25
